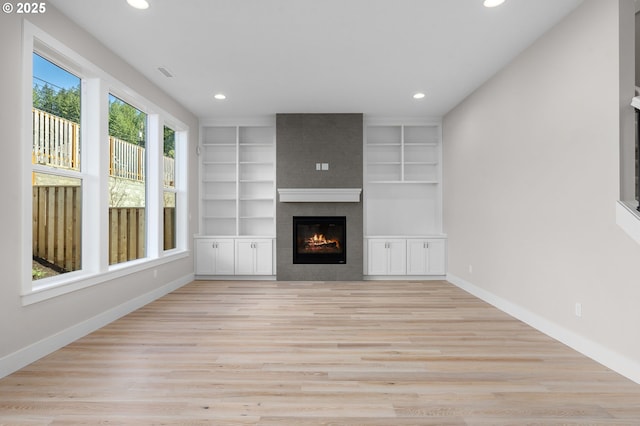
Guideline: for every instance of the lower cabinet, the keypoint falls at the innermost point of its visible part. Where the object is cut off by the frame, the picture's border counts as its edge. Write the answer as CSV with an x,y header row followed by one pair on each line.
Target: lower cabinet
x,y
406,256
254,257
214,256
233,256
387,257
426,257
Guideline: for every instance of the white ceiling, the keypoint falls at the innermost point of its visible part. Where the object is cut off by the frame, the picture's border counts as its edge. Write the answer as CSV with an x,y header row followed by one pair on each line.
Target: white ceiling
x,y
304,56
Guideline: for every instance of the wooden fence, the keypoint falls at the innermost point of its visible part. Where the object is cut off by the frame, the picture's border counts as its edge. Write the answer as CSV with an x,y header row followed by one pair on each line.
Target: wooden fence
x,y
57,228
56,142
57,225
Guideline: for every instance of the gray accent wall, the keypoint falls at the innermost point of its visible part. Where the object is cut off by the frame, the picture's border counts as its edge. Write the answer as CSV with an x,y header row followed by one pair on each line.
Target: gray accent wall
x,y
302,141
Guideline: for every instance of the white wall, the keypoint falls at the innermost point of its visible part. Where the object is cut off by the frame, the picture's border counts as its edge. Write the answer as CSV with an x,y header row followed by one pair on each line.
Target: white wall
x,y
531,165
27,332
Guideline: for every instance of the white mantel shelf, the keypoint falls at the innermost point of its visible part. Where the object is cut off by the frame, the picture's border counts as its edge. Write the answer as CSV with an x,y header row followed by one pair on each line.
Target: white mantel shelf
x,y
319,195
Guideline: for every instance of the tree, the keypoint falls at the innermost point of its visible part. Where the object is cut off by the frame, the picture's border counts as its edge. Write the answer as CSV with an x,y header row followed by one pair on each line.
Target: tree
x,y
126,122
169,142
63,103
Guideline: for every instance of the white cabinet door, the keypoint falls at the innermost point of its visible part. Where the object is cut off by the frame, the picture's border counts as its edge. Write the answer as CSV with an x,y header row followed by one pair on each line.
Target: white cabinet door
x,y
397,257
377,257
437,257
205,257
244,257
214,257
254,257
263,252
425,257
387,257
224,257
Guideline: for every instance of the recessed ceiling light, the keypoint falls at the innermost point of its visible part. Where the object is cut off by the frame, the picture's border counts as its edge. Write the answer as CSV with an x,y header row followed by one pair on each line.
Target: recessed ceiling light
x,y
220,96
492,3
418,95
139,4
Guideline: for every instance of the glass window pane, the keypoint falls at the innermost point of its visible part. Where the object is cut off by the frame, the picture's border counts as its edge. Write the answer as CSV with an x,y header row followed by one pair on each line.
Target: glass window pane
x,y
169,158
127,181
169,219
56,115
57,225
57,199
169,182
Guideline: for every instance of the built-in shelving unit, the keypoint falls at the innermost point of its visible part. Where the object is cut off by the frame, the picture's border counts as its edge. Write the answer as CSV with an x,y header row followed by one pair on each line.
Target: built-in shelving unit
x,y
238,181
238,196
403,197
403,154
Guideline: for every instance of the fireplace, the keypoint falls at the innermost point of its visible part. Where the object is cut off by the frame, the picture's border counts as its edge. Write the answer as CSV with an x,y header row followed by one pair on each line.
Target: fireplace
x,y
320,239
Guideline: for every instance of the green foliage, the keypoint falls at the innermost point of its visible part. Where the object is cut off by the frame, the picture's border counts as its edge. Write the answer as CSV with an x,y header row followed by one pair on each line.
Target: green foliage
x,y
63,103
169,142
126,122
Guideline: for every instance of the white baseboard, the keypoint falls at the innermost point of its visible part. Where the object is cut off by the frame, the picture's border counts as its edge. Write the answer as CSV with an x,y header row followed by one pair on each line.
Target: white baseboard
x,y
25,356
235,277
610,359
404,277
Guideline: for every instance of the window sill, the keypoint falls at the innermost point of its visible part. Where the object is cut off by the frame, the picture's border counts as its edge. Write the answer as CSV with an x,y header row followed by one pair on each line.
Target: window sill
x,y
74,281
628,218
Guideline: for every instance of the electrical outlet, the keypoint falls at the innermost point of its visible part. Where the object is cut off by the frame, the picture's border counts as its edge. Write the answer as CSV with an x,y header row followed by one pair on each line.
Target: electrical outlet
x,y
471,269
325,166
578,309
318,166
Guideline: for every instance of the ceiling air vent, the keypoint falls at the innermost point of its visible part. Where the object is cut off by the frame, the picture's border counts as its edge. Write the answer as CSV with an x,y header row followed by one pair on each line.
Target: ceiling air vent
x,y
165,71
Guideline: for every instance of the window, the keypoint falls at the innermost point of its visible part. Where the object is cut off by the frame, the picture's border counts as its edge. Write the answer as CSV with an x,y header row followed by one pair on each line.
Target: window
x,y
169,189
56,170
102,198
127,181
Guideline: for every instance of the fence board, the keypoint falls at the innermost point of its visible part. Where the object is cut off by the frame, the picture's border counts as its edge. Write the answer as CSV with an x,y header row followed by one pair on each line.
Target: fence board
x,y
169,227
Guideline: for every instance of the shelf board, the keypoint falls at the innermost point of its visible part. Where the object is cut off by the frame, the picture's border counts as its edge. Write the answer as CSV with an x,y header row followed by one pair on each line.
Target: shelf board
x,y
256,163
398,144
216,145
269,144
219,217
221,198
219,163
419,144
257,199
256,217
420,163
428,182
256,180
218,180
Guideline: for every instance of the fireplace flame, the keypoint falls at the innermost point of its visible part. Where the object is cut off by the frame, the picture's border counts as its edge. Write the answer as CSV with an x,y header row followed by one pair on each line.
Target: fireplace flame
x,y
319,241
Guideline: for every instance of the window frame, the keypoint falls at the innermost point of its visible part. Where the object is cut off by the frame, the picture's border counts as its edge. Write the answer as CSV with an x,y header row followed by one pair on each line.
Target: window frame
x,y
96,84
175,189
140,105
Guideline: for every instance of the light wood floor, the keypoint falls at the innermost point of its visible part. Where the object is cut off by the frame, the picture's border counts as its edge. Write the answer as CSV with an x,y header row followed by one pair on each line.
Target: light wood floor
x,y
323,353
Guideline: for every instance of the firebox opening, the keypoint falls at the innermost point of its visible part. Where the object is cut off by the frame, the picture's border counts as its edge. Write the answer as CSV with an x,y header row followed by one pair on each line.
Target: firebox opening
x,y
320,239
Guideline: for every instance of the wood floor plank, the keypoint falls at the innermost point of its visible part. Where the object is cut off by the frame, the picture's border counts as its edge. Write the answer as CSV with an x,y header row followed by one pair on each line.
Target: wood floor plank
x,y
317,353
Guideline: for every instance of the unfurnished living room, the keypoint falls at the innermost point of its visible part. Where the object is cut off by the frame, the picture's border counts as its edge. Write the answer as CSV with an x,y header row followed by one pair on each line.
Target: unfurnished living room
x,y
320,212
